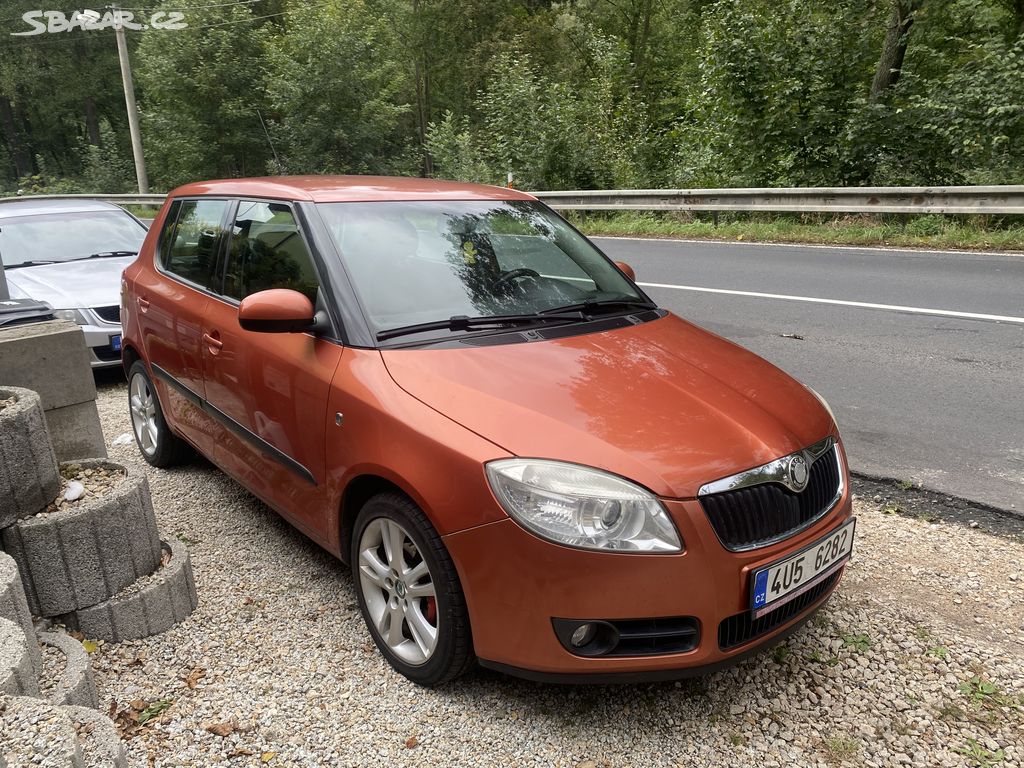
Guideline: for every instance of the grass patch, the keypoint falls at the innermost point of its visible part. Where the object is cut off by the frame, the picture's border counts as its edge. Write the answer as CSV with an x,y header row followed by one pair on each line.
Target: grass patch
x,y
969,232
840,749
978,755
859,643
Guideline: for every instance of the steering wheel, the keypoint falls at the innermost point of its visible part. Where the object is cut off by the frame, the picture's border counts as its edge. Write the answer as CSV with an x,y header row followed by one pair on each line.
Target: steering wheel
x,y
515,274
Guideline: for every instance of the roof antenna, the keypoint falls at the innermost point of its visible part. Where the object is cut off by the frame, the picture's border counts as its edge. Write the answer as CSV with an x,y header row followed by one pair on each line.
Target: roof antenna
x,y
270,141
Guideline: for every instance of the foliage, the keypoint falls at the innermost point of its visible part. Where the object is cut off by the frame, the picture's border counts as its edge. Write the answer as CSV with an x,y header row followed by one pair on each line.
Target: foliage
x,y
571,94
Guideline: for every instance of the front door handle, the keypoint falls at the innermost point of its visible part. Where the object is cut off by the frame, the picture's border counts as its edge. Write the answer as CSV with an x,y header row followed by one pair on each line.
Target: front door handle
x,y
213,342
143,304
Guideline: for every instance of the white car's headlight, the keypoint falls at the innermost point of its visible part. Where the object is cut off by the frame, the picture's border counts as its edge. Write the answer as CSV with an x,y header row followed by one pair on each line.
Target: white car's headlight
x,y
582,507
824,402
71,314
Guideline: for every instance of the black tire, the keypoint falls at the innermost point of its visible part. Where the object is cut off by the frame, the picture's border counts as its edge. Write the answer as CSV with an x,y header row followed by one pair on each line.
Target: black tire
x,y
452,655
168,450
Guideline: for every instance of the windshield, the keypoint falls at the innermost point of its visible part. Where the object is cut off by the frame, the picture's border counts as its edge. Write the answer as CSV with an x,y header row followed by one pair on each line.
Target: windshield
x,y
428,261
59,237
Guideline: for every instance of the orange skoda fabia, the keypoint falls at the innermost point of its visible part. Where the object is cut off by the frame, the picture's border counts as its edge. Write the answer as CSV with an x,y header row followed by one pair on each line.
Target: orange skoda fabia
x,y
525,461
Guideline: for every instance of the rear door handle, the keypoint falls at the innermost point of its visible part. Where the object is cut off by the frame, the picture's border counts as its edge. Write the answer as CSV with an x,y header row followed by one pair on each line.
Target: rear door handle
x,y
214,343
143,304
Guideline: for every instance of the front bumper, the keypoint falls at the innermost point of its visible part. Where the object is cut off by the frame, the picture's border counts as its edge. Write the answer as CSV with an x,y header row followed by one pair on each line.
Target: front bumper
x,y
98,339
515,583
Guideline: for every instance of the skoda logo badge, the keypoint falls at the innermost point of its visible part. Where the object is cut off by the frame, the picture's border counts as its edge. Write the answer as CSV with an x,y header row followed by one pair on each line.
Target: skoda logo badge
x,y
798,472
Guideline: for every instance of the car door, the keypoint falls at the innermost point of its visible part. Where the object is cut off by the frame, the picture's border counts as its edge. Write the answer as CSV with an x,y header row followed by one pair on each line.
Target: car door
x,y
270,389
172,301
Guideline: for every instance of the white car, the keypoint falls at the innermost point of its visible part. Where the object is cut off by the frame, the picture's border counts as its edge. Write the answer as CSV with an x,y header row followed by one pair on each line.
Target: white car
x,y
70,254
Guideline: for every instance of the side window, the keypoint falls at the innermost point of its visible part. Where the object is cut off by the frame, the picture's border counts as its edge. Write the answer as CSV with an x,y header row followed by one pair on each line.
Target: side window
x,y
267,251
191,251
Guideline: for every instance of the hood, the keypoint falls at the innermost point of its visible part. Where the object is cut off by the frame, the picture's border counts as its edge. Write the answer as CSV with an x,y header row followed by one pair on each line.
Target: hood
x,y
665,403
71,285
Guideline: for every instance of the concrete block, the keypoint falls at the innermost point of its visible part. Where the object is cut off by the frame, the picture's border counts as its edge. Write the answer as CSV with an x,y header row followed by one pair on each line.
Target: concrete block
x,y
14,606
17,675
97,735
50,358
28,468
67,672
83,554
76,433
36,733
151,606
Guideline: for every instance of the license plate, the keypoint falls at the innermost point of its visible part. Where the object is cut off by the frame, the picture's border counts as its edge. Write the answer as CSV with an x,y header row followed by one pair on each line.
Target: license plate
x,y
115,343
777,584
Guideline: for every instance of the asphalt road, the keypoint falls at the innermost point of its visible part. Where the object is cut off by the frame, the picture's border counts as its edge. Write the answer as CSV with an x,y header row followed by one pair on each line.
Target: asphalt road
x,y
929,397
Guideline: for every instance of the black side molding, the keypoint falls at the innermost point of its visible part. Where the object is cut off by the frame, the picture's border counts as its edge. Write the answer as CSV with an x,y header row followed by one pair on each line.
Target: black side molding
x,y
238,429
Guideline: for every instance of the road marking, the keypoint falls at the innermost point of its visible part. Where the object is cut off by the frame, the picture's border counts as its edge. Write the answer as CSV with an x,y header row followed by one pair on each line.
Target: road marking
x,y
843,303
883,248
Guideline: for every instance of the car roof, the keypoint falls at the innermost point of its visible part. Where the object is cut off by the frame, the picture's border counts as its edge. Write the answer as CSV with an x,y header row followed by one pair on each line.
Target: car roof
x,y
31,207
349,189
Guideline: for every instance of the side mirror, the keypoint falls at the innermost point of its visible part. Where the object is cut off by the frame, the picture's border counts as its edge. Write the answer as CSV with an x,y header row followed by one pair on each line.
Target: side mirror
x,y
277,310
626,269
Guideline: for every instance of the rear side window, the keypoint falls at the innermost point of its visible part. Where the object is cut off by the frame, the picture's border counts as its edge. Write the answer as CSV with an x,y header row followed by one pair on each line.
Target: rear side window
x,y
267,251
189,250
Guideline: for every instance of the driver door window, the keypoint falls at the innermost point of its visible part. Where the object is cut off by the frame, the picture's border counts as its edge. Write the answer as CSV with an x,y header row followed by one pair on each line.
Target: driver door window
x,y
268,251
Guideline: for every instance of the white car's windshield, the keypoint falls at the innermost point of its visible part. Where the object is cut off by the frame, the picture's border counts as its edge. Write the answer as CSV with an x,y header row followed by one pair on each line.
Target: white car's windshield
x,y
54,238
429,261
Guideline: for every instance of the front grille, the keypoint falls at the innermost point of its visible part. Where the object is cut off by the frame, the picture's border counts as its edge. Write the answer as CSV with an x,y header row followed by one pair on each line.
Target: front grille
x,y
109,314
751,517
743,627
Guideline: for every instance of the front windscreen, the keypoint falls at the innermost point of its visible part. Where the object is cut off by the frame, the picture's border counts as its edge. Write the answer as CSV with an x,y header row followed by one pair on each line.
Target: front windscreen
x,y
53,237
426,261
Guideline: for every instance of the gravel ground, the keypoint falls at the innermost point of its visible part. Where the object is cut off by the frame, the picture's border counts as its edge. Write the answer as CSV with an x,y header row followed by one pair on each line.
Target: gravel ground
x,y
916,661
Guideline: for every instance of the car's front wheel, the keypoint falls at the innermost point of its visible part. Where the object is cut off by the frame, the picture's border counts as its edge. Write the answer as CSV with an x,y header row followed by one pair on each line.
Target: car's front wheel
x,y
159,446
409,591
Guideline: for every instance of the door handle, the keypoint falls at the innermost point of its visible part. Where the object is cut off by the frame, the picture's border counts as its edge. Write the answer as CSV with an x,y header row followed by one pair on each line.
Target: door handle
x,y
143,304
213,342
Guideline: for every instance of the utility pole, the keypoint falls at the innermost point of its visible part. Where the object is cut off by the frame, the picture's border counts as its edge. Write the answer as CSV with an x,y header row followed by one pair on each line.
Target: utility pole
x,y
129,100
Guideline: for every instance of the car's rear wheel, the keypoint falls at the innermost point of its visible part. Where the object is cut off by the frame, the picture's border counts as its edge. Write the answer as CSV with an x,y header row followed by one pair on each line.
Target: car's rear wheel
x,y
159,446
409,591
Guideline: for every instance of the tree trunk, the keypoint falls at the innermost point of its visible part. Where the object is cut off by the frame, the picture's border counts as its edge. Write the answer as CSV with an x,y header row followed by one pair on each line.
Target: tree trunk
x,y
92,122
422,77
894,49
1018,7
20,155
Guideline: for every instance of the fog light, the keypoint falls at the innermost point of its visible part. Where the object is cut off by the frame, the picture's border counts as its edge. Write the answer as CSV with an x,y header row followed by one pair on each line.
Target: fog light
x,y
584,634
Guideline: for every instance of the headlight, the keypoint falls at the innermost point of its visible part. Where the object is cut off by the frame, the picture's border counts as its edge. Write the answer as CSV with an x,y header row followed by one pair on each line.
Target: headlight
x,y
582,507
70,314
824,402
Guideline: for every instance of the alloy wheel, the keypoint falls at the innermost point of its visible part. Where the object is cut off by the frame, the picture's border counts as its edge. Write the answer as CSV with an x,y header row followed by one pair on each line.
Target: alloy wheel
x,y
398,590
143,408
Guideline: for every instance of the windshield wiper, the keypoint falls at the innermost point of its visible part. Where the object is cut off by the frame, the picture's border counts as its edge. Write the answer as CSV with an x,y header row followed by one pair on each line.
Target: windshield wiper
x,y
588,306
39,263
464,322
107,255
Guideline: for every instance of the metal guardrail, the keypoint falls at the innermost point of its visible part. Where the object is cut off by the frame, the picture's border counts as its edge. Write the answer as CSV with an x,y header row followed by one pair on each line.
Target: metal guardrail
x,y
946,200
943,200
136,199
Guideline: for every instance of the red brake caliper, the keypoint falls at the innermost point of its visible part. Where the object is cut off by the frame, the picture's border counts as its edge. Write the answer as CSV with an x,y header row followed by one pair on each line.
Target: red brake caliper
x,y
431,612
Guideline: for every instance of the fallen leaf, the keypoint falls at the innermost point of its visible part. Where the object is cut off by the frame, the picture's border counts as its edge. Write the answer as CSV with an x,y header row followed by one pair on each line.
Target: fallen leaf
x,y
240,752
90,646
412,742
221,729
266,757
138,704
192,678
